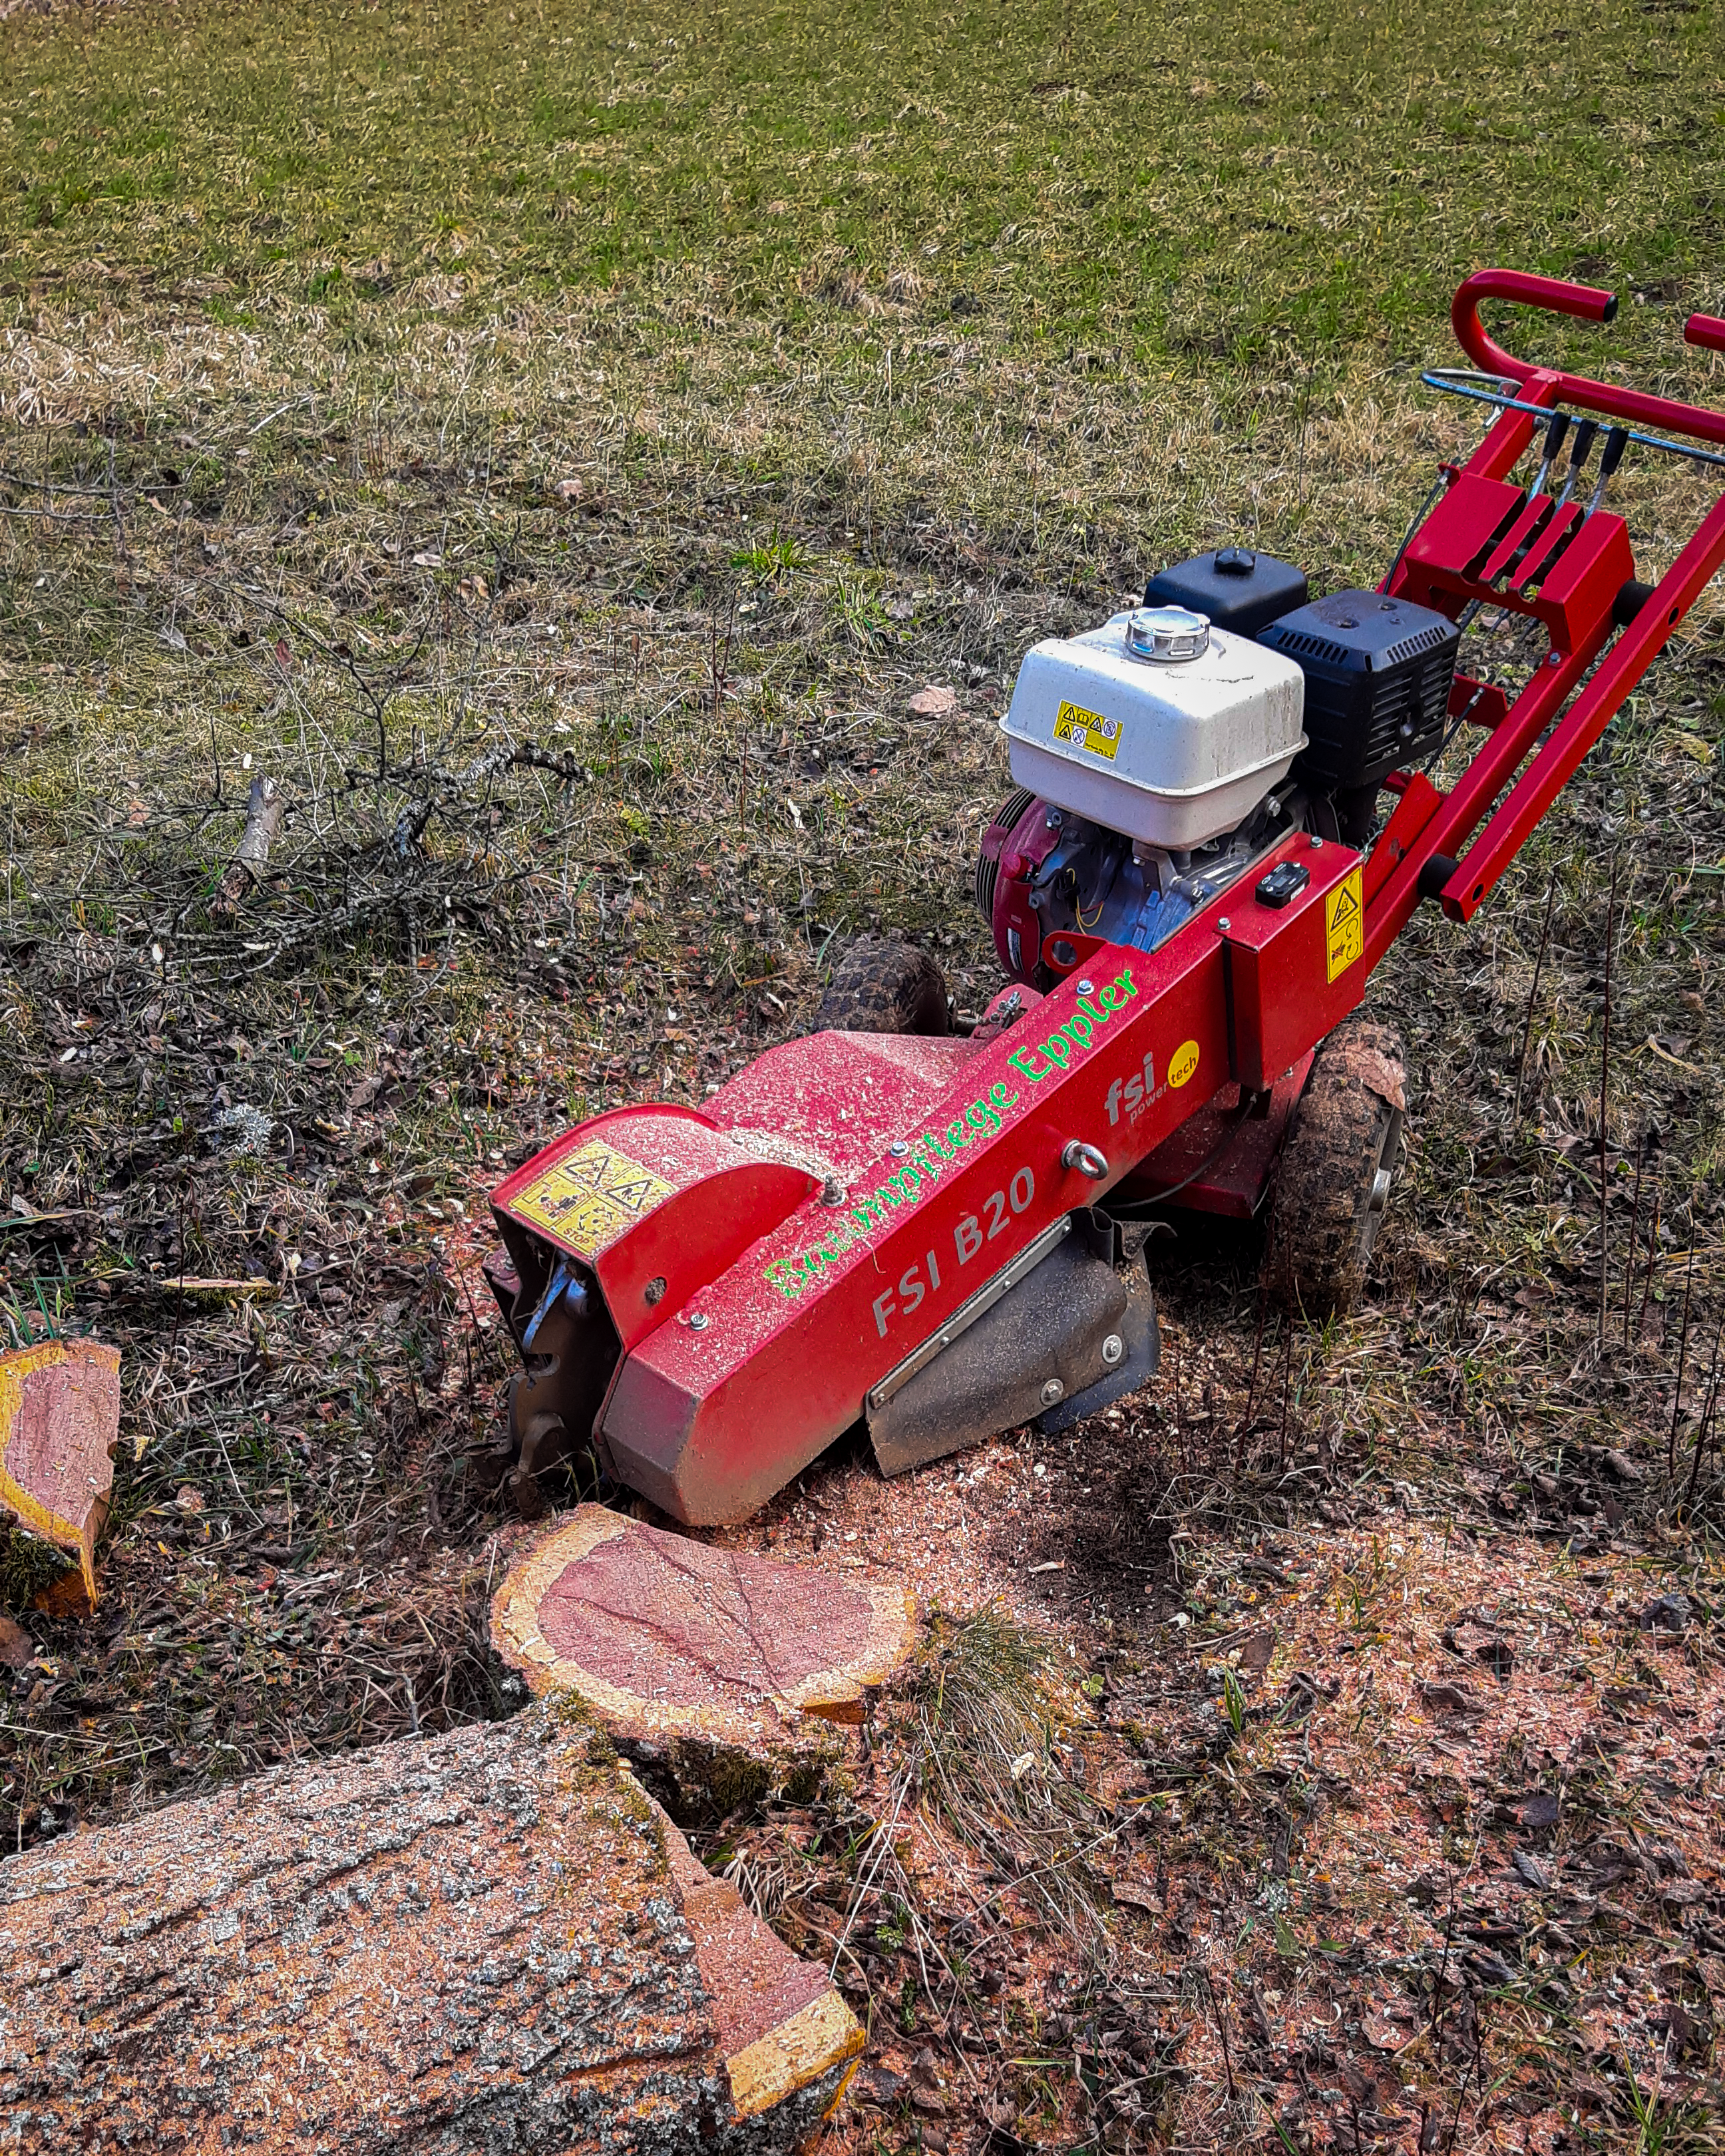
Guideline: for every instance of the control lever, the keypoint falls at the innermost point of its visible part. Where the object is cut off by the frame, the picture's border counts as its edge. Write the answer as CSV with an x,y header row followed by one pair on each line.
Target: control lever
x,y
1555,429
1616,442
1580,451
1583,445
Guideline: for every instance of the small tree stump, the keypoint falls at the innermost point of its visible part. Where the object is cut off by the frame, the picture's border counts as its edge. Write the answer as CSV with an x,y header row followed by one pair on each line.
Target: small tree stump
x,y
59,1420
723,1673
494,1941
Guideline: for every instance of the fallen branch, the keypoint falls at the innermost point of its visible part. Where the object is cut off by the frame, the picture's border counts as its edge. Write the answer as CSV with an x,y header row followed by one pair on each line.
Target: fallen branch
x,y
245,871
491,1939
191,1284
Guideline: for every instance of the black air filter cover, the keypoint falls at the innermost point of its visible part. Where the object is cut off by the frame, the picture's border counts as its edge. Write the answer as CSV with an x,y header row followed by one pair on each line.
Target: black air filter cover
x,y
1377,673
1240,590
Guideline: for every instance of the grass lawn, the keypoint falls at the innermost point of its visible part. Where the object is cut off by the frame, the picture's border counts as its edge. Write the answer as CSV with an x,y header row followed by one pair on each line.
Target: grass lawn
x,y
553,444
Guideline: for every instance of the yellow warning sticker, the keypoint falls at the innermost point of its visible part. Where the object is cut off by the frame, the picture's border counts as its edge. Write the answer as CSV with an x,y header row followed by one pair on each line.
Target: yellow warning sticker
x,y
1087,730
1345,924
1182,1062
590,1197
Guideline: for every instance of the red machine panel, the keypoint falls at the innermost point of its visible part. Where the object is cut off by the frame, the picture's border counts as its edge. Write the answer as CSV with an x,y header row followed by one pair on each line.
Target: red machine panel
x,y
655,1201
763,1368
1295,936
1489,540
1221,1160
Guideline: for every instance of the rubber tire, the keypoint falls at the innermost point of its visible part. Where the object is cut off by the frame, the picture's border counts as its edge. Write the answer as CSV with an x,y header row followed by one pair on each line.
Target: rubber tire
x,y
1333,1183
884,986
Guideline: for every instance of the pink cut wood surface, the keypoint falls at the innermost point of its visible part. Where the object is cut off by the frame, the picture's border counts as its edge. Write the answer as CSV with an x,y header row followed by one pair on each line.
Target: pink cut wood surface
x,y
667,1638
60,1419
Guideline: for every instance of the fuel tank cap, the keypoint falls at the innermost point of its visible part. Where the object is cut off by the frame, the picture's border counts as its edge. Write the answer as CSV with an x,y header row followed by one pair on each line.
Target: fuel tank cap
x,y
1167,633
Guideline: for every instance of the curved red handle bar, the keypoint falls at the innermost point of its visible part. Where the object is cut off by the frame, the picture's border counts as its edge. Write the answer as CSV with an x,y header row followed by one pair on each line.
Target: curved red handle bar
x,y
1552,292
1588,305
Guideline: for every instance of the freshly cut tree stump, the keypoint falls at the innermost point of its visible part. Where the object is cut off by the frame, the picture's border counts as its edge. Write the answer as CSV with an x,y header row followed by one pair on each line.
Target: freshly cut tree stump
x,y
494,1941
725,1673
59,1420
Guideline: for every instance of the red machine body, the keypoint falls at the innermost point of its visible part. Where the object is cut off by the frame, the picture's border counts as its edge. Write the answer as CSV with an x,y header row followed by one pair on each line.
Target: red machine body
x,y
742,1283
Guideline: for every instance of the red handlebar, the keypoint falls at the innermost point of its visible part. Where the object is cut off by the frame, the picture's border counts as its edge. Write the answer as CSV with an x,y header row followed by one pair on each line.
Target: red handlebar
x,y
1588,305
1552,292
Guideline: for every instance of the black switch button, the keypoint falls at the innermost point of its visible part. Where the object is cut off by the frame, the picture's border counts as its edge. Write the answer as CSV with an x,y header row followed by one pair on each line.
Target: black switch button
x,y
1283,884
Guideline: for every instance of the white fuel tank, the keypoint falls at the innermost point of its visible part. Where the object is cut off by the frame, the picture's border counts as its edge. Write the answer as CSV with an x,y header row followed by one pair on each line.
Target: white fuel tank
x,y
1155,725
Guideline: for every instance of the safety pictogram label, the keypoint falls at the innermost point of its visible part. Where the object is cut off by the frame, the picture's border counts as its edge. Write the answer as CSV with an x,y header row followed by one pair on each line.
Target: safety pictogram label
x,y
590,1197
1089,730
1345,924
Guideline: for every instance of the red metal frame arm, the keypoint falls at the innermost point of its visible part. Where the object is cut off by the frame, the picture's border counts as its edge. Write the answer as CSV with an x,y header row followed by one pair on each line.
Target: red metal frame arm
x,y
1545,778
1494,765
1588,305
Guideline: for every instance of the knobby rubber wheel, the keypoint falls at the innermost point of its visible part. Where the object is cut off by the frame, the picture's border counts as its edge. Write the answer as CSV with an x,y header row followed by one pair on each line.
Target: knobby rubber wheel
x,y
1336,1167
883,986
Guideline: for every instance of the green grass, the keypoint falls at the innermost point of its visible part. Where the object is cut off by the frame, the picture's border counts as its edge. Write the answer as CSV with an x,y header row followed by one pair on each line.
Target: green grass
x,y
1158,180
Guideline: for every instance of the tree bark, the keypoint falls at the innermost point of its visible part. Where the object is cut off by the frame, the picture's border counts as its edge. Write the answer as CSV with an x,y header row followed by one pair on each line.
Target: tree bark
x,y
491,1942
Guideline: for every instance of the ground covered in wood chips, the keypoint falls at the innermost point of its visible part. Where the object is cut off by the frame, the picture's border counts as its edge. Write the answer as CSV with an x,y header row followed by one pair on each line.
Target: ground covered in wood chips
x,y
554,447
1404,1824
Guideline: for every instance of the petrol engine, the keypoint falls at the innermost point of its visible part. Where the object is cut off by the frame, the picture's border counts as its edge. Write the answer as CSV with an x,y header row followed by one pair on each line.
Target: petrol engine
x,y
1159,756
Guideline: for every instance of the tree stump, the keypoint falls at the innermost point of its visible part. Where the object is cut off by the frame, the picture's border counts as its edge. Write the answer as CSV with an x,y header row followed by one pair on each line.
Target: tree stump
x,y
493,1941
59,1420
721,1674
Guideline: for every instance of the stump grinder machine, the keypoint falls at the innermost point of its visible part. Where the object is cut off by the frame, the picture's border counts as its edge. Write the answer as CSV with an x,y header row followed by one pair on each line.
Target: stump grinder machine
x,y
940,1236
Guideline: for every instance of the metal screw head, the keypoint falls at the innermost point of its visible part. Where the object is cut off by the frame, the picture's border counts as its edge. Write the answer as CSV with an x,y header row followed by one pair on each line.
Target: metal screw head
x,y
898,1148
1316,842
1086,987
698,1322
832,1192
1054,1390
1223,922
1113,1350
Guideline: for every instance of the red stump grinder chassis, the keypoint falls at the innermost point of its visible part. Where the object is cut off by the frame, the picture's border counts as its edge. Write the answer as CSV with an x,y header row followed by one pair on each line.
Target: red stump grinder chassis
x,y
941,1237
